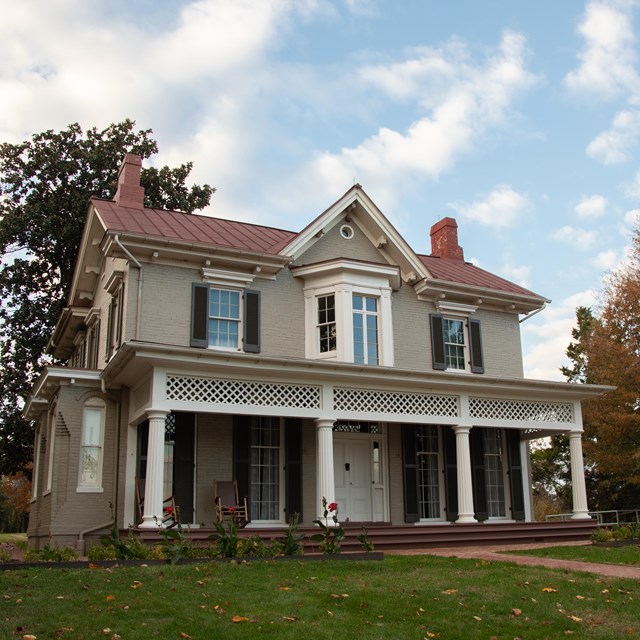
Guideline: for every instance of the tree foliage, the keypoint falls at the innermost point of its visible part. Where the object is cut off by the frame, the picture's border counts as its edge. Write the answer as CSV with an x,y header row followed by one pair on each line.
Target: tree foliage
x,y
607,351
45,186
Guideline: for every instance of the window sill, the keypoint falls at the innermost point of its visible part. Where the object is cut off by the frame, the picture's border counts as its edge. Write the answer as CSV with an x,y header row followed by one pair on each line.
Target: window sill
x,y
89,490
46,493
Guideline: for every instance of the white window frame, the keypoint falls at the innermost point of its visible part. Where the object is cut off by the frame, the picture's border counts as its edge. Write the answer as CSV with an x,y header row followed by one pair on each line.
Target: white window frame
x,y
281,480
505,478
453,311
36,465
51,445
364,314
343,278
240,319
92,405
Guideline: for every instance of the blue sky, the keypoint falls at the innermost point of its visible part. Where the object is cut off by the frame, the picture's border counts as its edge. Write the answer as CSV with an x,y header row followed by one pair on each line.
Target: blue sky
x,y
519,119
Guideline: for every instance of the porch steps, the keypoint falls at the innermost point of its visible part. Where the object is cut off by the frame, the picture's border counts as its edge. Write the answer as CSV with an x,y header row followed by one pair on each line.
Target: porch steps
x,y
386,537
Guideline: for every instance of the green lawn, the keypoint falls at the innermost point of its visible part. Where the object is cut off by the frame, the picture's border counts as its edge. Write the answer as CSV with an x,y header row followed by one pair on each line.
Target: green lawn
x,y
401,597
629,554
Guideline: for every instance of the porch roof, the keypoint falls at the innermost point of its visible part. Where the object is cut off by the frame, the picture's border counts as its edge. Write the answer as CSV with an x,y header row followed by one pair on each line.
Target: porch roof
x,y
135,359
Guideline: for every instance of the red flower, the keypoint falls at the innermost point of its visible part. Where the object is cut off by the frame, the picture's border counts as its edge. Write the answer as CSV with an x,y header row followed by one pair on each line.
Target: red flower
x,y
231,509
168,509
332,507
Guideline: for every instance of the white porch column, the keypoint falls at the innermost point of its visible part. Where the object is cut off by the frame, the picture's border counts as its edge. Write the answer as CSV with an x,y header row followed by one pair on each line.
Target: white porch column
x,y
465,485
324,463
580,508
154,489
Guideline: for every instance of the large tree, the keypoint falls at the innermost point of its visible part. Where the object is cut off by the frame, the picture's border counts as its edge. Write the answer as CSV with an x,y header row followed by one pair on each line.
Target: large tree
x,y
607,351
45,186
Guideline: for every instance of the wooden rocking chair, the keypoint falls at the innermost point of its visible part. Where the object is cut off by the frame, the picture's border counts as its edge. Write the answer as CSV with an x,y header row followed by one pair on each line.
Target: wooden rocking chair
x,y
228,505
169,514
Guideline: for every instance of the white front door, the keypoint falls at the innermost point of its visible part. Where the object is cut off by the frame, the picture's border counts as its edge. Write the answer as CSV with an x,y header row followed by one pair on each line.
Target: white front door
x,y
352,476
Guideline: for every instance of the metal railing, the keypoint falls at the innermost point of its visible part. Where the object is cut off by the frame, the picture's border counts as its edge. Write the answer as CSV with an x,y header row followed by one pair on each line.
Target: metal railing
x,y
609,518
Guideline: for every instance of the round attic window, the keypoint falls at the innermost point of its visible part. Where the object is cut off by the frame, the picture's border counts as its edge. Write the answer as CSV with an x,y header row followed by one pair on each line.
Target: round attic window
x,y
346,231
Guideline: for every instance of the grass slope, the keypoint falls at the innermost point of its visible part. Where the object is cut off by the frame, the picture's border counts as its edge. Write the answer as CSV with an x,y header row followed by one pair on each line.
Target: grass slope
x,y
401,597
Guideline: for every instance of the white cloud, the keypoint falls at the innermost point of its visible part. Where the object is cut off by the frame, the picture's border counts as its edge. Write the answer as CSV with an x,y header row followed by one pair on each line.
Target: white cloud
x,y
463,101
547,335
519,274
607,60
499,209
616,144
591,207
606,260
632,189
362,7
578,238
632,218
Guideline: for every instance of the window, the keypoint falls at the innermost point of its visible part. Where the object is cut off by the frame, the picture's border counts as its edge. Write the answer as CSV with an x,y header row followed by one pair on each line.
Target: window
x,y
51,445
365,330
91,447
225,318
93,336
427,454
114,319
327,323
348,310
494,473
456,344
265,469
36,464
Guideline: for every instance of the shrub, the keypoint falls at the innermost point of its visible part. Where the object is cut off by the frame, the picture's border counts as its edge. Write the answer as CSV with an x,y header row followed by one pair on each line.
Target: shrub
x,y
601,535
254,547
101,552
50,554
226,539
291,543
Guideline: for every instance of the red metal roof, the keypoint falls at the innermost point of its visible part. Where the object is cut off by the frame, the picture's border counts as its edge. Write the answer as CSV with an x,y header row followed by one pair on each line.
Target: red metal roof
x,y
207,230
187,227
468,274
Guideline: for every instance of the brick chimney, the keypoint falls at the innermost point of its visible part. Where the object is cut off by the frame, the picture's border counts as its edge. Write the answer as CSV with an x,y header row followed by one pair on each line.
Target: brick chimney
x,y
130,193
444,240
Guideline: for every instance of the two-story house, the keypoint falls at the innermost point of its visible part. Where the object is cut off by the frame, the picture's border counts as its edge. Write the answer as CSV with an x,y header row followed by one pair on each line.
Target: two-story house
x,y
331,362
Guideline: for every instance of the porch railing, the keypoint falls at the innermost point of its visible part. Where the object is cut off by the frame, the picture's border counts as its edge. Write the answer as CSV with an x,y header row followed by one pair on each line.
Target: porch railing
x,y
607,518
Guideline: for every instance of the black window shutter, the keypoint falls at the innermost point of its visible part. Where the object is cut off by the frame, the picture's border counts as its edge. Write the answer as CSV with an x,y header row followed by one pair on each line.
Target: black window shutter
x,y
450,474
293,468
252,321
477,361
437,342
410,466
241,454
476,443
199,315
515,474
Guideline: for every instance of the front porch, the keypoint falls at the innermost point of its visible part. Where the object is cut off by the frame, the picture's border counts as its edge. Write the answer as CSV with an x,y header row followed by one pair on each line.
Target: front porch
x,y
386,537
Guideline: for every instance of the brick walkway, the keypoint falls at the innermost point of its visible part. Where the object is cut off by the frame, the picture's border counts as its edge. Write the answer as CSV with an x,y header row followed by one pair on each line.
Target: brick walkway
x,y
492,554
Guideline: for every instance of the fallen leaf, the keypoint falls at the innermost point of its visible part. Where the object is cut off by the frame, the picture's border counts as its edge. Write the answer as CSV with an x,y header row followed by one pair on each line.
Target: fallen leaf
x,y
136,584
431,635
575,618
478,618
239,619
337,596
184,635
516,612
330,614
549,590
110,598
289,618
450,592
283,588
28,637
106,632
580,597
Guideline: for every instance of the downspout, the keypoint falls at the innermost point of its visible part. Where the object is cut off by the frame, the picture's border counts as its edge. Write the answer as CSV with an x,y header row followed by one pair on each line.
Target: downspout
x,y
530,315
126,251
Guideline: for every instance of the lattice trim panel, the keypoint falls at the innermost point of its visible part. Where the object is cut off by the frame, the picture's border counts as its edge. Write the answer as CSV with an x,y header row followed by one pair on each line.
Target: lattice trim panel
x,y
240,392
521,410
414,404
